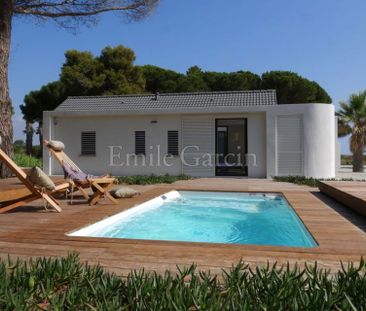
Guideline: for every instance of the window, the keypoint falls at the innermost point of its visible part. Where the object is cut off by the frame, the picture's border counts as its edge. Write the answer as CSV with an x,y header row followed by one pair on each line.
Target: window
x,y
88,143
140,143
173,143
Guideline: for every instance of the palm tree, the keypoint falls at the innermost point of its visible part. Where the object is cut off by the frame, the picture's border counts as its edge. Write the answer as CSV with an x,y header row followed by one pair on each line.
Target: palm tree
x,y
352,120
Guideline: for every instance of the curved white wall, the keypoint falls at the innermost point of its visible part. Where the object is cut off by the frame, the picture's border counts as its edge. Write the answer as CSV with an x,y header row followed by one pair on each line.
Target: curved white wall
x,y
319,141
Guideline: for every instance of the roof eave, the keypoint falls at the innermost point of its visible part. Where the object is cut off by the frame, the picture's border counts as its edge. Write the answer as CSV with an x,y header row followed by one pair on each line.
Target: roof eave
x,y
234,109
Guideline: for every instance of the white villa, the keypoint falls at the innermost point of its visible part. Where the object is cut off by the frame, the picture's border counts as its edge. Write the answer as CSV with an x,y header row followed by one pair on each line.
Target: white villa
x,y
243,133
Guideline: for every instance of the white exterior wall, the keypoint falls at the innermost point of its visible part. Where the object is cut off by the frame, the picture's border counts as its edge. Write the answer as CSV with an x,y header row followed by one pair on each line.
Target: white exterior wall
x,y
257,144
118,130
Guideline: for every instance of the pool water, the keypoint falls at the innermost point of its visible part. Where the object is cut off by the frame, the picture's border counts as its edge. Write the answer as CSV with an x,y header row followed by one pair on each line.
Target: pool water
x,y
213,217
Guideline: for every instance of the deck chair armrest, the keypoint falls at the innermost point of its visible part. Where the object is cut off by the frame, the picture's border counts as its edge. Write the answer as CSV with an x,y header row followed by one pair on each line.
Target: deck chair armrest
x,y
61,186
105,180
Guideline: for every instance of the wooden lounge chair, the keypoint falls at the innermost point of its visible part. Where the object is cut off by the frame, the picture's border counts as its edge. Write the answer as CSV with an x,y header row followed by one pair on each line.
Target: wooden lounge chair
x,y
35,191
100,185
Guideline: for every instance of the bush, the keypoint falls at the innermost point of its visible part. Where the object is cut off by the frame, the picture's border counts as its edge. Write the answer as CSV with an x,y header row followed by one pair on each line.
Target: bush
x,y
299,180
20,149
24,160
66,284
150,179
308,181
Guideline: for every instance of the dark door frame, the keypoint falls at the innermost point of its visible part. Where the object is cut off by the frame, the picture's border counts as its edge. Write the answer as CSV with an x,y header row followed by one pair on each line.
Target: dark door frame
x,y
220,171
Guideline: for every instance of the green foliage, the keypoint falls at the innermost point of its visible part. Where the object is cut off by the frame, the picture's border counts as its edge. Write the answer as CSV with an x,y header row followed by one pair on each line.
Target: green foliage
x,y
47,98
161,80
81,74
66,284
111,73
193,81
19,143
302,180
196,80
352,119
121,75
291,88
19,146
299,180
151,179
24,160
294,89
21,149
232,81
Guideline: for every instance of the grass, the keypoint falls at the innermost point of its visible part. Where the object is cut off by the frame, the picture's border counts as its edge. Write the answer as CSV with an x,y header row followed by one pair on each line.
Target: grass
x,y
67,284
151,179
24,160
308,181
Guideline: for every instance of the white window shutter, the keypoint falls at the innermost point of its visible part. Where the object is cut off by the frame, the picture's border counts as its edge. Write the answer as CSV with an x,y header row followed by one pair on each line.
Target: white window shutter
x,y
198,132
289,145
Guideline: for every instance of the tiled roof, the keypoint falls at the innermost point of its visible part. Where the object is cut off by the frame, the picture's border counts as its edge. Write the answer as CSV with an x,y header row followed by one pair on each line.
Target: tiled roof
x,y
173,101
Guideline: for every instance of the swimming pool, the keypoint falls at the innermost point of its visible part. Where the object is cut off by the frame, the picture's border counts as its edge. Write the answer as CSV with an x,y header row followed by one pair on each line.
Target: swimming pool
x,y
212,217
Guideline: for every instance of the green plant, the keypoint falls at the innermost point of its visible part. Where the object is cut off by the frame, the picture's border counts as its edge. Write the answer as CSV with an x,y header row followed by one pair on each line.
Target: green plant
x,y
20,149
151,179
24,160
67,284
299,180
308,181
352,121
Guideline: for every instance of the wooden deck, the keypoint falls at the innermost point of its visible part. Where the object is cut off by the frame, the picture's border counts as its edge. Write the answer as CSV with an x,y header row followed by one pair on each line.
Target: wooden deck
x,y
31,231
351,194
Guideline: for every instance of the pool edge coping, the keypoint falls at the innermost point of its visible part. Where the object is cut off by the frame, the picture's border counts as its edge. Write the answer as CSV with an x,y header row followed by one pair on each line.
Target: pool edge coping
x,y
322,248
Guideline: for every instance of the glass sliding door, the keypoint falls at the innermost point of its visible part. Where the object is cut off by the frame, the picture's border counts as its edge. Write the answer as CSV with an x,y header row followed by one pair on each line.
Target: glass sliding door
x,y
231,147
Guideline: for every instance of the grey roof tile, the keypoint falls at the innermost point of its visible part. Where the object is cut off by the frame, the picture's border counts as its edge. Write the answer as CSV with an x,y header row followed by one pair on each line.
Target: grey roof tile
x,y
171,101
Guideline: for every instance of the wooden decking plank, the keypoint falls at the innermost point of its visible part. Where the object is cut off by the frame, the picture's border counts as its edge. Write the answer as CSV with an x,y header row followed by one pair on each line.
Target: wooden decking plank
x,y
351,194
33,232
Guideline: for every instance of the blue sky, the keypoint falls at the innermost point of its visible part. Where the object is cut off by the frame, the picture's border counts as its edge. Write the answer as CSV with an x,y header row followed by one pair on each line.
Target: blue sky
x,y
323,40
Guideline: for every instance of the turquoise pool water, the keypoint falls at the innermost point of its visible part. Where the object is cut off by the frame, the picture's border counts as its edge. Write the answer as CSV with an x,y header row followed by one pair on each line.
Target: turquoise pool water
x,y
213,217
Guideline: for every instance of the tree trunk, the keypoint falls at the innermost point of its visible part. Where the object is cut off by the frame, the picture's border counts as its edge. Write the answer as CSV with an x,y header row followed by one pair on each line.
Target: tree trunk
x,y
28,137
6,110
40,133
358,161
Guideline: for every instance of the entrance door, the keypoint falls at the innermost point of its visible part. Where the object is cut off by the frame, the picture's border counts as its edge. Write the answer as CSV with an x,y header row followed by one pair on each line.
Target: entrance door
x,y
231,147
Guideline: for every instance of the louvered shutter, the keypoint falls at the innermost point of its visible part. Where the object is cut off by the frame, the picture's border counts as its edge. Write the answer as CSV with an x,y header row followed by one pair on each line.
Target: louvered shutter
x,y
199,132
140,144
88,143
289,145
173,143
